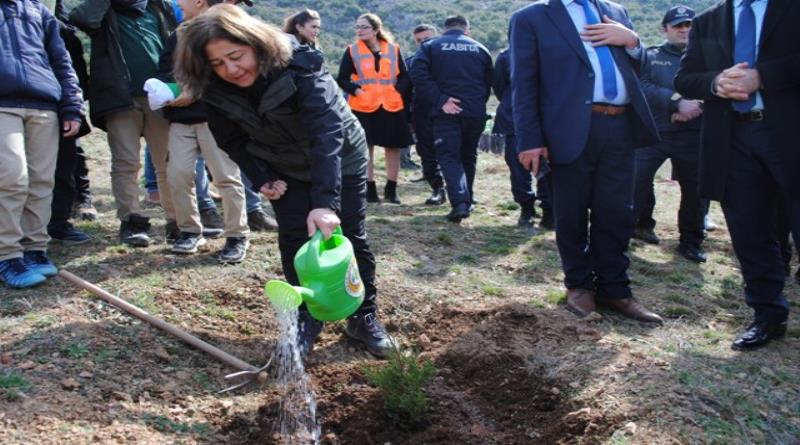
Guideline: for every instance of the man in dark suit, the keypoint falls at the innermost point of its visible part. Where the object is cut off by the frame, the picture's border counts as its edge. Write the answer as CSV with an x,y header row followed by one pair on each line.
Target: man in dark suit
x,y
578,104
743,60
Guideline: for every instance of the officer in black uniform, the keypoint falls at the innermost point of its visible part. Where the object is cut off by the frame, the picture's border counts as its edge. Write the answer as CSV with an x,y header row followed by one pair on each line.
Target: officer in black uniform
x,y
455,73
423,131
679,125
521,179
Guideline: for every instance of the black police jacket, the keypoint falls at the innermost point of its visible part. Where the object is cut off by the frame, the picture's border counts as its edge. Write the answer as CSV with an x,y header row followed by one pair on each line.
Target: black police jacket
x,y
293,122
657,74
453,65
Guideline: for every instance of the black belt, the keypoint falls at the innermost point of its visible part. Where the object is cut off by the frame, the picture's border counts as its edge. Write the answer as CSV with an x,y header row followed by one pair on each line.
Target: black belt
x,y
750,116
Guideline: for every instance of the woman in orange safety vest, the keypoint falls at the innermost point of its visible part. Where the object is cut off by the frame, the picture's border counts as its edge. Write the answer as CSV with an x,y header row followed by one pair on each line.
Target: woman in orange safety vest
x,y
373,74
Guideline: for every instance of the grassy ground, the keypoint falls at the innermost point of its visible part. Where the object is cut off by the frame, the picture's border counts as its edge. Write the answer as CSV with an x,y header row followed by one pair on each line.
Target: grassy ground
x,y
75,370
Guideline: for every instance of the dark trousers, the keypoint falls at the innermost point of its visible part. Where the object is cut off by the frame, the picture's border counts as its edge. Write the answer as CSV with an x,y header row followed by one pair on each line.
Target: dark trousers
x,y
291,211
593,203
544,191
83,191
64,189
423,129
788,223
456,142
754,188
682,148
521,179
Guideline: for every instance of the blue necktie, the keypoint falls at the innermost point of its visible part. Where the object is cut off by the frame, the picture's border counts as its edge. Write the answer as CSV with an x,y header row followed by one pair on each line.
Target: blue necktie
x,y
609,76
745,50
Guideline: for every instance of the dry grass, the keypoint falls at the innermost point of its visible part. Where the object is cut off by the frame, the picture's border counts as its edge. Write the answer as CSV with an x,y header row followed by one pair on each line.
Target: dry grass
x,y
679,383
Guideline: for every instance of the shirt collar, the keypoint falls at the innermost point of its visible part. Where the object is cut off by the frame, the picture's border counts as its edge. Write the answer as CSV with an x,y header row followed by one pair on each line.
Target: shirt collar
x,y
738,3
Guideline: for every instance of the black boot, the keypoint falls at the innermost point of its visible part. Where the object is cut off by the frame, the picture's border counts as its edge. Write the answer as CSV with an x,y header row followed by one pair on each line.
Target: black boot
x,y
390,192
437,198
372,192
366,328
308,329
526,214
547,222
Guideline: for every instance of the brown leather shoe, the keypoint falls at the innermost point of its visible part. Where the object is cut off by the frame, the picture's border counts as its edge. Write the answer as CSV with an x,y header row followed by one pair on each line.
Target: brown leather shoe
x,y
580,301
631,308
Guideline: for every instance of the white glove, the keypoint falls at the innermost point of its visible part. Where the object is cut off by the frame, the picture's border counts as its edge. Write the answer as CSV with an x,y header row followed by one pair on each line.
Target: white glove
x,y
159,94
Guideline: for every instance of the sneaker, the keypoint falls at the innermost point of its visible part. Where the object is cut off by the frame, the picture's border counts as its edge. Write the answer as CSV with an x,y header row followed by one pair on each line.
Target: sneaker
x,y
308,329
646,235
235,250
709,225
171,232
458,213
188,242
209,232
133,232
438,197
84,211
368,330
258,221
66,234
16,274
37,261
211,219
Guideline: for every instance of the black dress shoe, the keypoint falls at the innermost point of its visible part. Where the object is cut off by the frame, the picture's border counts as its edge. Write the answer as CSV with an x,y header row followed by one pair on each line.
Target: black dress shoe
x,y
759,334
695,254
458,213
646,235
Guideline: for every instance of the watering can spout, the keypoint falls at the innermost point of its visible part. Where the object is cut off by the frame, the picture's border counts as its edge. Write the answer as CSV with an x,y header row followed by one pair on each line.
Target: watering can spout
x,y
285,296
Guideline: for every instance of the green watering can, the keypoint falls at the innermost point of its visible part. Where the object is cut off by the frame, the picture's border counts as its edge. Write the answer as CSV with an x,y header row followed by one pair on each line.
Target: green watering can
x,y
331,285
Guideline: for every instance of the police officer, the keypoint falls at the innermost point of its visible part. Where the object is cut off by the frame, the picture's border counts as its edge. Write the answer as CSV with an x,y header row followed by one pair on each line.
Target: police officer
x,y
521,180
678,123
420,120
455,73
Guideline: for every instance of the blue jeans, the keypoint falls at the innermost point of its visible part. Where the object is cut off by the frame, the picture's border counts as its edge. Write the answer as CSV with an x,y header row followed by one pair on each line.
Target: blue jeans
x,y
150,182
204,201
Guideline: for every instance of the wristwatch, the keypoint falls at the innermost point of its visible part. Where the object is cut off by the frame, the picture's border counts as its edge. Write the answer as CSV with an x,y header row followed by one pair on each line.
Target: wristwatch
x,y
674,100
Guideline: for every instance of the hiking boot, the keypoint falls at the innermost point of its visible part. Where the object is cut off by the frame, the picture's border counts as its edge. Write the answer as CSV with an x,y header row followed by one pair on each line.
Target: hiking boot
x,y
258,221
646,235
37,261
366,329
171,232
372,193
211,219
84,210
390,192
188,242
16,273
438,197
66,234
235,250
308,329
133,232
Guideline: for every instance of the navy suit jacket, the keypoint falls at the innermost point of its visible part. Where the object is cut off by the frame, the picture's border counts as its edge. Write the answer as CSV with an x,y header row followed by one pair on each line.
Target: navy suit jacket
x,y
552,81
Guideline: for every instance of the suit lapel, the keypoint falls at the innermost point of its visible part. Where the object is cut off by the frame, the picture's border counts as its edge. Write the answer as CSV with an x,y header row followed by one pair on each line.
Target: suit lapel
x,y
557,12
775,9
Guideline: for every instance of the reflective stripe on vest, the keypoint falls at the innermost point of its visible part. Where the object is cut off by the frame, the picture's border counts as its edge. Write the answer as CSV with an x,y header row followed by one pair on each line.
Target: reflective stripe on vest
x,y
378,86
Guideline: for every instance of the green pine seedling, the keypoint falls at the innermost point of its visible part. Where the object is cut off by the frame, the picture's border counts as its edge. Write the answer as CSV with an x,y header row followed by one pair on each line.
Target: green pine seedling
x,y
400,382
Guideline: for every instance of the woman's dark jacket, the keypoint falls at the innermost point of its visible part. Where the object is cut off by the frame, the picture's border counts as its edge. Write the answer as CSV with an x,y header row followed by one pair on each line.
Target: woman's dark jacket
x,y
294,123
109,90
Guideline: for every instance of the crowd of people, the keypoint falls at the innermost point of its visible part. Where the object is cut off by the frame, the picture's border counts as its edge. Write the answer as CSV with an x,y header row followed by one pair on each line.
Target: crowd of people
x,y
587,114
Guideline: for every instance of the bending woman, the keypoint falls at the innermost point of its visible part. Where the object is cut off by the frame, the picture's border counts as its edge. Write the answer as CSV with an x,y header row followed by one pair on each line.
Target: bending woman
x,y
280,116
373,74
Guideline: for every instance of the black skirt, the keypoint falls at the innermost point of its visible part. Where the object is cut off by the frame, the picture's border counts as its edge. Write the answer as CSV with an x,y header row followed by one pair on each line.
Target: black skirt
x,y
386,128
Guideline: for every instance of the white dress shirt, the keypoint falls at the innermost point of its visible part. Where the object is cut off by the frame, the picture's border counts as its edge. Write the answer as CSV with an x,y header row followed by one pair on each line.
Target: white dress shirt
x,y
578,17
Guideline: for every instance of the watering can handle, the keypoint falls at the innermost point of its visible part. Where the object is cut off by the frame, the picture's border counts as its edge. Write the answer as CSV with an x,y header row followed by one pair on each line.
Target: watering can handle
x,y
317,236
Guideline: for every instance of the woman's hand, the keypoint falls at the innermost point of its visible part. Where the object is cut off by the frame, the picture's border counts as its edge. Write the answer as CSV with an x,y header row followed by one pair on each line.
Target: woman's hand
x,y
183,100
323,219
273,190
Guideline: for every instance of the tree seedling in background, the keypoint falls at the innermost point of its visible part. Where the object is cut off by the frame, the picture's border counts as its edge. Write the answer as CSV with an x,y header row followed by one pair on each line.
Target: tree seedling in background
x,y
400,381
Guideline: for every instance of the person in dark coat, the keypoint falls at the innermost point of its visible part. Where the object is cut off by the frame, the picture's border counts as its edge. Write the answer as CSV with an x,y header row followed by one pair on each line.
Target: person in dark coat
x,y
455,72
578,104
281,117
743,61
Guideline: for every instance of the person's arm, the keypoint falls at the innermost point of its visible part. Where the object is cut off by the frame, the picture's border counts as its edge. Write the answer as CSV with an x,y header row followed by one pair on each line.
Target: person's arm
x,y
488,75
166,60
317,96
403,85
346,70
233,140
658,97
422,76
524,58
693,79
88,15
502,76
70,107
